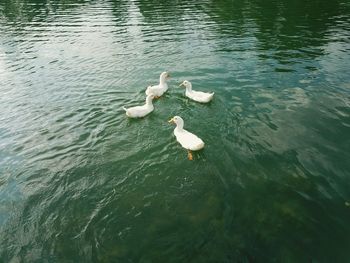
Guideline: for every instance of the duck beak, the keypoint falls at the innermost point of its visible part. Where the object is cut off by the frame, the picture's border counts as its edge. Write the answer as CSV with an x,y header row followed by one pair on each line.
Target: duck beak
x,y
182,84
168,76
171,120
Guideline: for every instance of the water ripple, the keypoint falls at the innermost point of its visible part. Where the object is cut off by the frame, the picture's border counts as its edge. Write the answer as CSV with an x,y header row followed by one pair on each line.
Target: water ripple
x,y
81,182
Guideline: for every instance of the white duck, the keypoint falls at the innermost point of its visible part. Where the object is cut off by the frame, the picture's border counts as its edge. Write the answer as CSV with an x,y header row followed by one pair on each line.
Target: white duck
x,y
187,140
140,111
158,90
199,96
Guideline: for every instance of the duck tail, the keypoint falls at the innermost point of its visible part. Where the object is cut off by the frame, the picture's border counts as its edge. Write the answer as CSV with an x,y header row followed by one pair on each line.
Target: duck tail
x,y
126,111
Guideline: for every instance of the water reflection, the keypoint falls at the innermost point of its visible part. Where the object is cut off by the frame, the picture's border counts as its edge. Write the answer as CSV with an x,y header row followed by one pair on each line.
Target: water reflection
x,y
156,12
25,11
274,24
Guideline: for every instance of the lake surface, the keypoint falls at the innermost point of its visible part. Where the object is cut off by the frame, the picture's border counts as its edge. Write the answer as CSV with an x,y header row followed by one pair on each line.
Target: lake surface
x,y
80,182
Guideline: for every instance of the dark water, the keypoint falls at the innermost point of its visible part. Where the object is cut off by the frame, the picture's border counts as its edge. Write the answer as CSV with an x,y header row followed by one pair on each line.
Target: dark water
x,y
79,182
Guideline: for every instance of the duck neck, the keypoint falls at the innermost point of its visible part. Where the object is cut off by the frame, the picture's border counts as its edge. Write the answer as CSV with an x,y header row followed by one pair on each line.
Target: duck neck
x,y
149,101
179,126
162,80
189,87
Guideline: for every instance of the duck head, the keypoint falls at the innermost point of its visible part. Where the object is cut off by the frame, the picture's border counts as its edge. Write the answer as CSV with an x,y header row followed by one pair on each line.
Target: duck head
x,y
178,121
164,76
186,84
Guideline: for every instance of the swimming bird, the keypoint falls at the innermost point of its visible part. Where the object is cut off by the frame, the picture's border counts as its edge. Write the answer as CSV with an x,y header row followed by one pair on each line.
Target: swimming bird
x,y
158,90
140,111
187,140
198,96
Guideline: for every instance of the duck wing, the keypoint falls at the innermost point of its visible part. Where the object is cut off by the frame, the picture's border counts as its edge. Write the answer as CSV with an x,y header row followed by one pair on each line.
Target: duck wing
x,y
189,140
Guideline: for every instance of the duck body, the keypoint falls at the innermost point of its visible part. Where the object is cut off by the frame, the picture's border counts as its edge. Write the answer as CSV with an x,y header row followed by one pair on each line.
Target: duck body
x,y
187,139
161,88
199,96
140,111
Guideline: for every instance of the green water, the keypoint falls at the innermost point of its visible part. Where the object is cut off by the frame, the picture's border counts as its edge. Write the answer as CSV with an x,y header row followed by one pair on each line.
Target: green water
x,y
79,182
